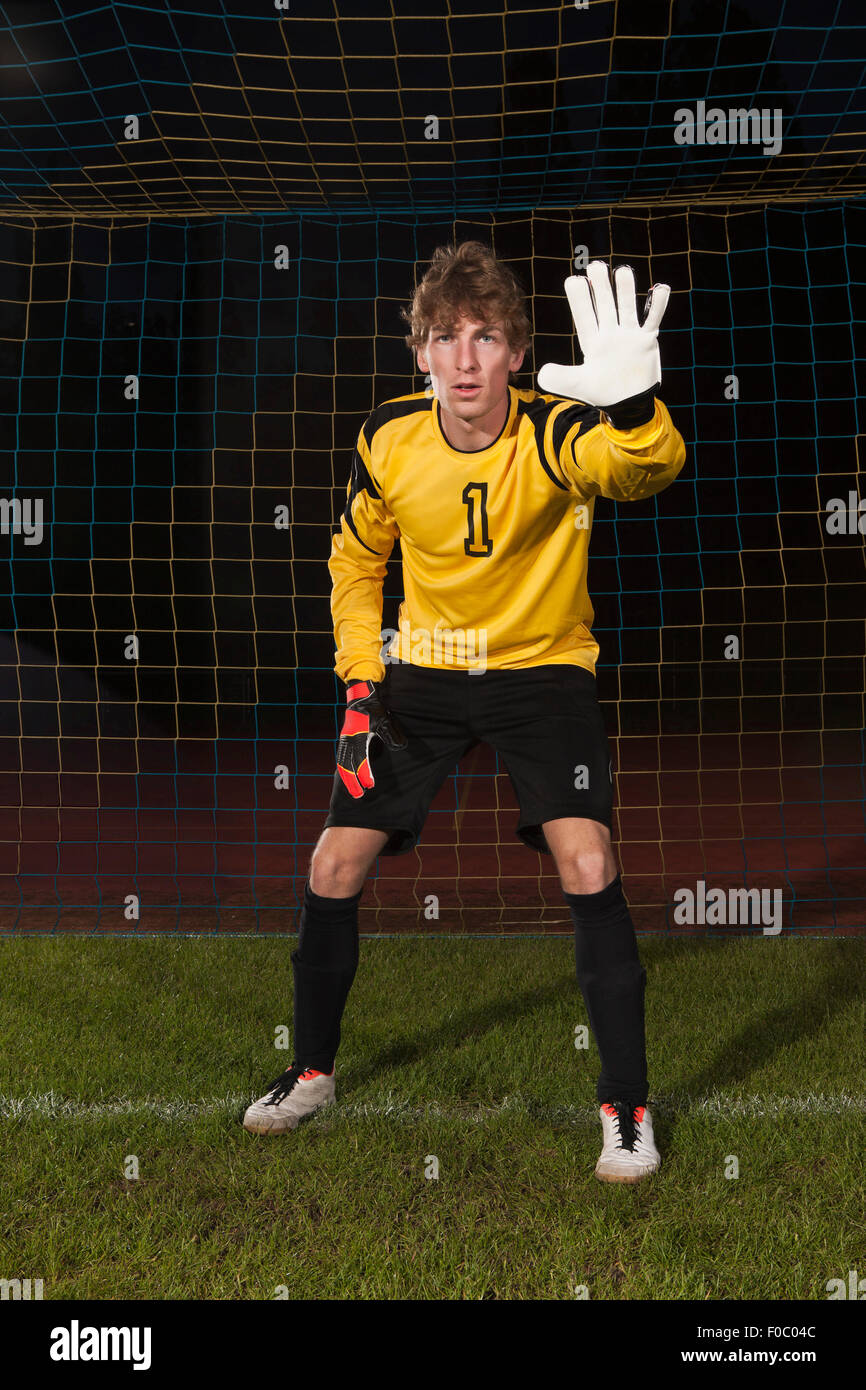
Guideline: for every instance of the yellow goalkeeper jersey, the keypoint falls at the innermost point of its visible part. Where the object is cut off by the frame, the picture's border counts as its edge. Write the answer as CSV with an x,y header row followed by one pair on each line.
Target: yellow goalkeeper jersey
x,y
494,540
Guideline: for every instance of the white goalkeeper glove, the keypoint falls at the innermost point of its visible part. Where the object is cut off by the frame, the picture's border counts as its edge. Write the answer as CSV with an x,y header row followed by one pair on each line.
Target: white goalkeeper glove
x,y
621,368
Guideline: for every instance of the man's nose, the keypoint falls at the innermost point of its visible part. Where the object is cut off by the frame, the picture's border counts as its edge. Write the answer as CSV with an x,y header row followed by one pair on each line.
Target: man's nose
x,y
467,356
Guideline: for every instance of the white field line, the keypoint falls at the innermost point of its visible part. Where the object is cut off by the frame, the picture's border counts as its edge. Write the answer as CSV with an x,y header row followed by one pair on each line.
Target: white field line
x,y
49,1105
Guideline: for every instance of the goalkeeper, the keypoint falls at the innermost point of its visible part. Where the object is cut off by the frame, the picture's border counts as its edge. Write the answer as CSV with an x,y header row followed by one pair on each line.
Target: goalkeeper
x,y
490,490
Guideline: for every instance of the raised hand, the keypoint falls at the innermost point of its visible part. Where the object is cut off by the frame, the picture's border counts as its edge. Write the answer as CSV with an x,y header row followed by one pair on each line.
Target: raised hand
x,y
620,355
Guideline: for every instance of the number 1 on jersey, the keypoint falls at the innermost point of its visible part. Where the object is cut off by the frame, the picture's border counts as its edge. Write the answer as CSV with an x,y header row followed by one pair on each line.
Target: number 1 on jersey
x,y
478,541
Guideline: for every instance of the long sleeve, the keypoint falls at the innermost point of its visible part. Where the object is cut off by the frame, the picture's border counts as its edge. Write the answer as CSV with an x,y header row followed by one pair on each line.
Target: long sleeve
x,y
625,465
359,558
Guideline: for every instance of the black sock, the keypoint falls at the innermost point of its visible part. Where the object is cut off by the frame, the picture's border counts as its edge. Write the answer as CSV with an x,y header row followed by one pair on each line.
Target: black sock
x,y
612,982
324,966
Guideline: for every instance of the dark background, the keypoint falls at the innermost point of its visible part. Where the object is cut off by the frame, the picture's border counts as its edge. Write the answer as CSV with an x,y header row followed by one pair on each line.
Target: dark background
x,y
254,383
155,257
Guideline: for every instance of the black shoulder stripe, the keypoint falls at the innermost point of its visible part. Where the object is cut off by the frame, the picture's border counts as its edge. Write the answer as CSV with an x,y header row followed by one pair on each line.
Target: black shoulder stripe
x,y
588,416
539,412
360,481
394,410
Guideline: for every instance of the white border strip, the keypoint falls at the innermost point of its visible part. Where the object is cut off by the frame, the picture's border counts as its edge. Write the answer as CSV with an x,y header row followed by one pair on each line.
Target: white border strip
x,y
49,1105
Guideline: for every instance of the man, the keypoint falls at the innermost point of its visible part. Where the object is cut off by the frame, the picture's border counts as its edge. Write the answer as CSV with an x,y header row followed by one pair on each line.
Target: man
x,y
491,491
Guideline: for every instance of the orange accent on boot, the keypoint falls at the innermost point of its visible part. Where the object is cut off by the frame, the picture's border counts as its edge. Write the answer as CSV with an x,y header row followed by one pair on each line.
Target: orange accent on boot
x,y
310,1073
611,1111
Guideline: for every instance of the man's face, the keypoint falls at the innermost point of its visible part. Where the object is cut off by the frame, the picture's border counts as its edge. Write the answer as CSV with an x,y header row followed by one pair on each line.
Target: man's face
x,y
469,367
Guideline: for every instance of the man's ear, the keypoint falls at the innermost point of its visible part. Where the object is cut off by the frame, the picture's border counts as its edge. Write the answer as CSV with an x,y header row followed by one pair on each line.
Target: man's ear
x,y
422,361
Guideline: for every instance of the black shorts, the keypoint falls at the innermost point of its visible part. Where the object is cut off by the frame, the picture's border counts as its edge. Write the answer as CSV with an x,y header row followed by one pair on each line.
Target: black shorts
x,y
544,721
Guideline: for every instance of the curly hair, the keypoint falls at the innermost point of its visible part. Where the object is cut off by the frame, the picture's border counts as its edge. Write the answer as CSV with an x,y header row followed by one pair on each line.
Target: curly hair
x,y
468,280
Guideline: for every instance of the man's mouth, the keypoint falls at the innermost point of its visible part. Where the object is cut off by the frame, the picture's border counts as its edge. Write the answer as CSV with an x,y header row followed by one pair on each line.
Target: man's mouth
x,y
467,390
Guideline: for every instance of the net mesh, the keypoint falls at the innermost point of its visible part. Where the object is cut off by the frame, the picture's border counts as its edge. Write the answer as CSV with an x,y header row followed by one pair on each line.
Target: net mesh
x,y
197,322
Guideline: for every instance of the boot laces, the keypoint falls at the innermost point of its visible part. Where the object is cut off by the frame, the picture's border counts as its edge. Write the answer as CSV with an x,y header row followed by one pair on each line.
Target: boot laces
x,y
283,1084
627,1127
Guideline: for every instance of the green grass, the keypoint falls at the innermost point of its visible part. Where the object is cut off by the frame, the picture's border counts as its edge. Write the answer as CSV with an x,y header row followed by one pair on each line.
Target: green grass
x,y
461,1049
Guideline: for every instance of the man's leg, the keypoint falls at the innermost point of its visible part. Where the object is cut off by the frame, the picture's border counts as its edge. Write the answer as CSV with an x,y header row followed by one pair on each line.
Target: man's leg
x,y
611,978
326,958
430,706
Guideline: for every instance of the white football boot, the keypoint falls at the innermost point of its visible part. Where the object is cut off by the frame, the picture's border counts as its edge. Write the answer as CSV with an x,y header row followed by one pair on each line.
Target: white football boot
x,y
293,1095
629,1152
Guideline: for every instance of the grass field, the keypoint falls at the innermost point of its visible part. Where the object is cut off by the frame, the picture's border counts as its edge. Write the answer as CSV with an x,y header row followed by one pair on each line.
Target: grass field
x,y
462,1049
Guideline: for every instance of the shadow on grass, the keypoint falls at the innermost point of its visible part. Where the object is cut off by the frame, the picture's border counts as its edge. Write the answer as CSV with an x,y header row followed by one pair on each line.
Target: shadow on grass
x,y
837,980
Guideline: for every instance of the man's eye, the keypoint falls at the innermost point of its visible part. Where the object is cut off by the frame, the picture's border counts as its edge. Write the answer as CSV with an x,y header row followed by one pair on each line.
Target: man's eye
x,y
441,337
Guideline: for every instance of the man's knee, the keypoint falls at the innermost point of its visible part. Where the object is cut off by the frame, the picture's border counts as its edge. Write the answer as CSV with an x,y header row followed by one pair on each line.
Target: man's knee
x,y
341,862
335,875
587,872
583,854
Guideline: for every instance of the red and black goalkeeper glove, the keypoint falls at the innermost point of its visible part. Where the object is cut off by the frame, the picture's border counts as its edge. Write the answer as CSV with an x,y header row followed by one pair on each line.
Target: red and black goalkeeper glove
x,y
366,718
